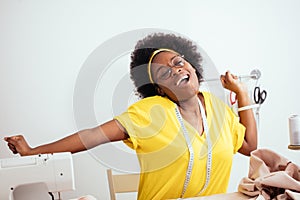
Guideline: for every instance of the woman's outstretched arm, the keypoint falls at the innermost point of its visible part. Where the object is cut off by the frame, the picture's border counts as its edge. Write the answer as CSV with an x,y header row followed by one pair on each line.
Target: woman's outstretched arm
x,y
80,141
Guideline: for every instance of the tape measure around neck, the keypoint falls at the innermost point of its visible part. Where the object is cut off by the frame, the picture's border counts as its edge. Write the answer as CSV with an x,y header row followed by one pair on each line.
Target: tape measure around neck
x,y
191,151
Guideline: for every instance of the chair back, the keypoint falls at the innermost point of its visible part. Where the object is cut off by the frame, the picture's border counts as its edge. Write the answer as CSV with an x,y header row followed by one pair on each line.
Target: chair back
x,y
122,183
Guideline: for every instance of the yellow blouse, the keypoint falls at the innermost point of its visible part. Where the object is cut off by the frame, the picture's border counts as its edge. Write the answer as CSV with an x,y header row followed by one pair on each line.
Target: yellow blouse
x,y
156,136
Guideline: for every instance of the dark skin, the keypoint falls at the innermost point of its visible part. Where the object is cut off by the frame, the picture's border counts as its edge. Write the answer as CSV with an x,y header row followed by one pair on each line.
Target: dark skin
x,y
183,92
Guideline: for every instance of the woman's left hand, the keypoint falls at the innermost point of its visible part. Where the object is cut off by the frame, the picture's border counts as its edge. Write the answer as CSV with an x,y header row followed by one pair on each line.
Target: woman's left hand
x,y
232,83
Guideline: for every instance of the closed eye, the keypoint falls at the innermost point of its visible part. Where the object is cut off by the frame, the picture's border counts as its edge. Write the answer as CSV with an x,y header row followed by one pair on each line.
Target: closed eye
x,y
178,61
164,72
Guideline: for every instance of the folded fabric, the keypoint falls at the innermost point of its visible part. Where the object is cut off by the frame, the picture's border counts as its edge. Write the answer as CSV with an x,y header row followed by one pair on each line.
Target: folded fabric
x,y
271,176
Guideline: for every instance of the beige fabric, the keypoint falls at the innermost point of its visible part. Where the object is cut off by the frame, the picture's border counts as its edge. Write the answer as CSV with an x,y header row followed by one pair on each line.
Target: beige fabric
x,y
271,176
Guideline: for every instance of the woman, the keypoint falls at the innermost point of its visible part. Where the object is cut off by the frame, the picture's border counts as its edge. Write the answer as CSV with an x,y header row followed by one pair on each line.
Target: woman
x,y
184,139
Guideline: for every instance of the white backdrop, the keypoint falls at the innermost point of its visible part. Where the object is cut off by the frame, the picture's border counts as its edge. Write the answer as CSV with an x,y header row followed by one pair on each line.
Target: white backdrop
x,y
44,44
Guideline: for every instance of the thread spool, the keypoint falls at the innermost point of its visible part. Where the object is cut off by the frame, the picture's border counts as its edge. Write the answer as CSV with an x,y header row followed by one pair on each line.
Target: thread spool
x,y
294,132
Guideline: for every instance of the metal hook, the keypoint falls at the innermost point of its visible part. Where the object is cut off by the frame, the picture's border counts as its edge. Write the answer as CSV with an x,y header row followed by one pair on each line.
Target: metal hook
x,y
254,74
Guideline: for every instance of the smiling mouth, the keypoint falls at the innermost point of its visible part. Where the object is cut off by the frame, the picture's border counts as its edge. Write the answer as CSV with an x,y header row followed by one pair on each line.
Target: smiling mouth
x,y
183,79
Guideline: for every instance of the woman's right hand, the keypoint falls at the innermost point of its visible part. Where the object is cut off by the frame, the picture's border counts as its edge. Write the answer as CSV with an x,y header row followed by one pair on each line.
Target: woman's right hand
x,y
18,145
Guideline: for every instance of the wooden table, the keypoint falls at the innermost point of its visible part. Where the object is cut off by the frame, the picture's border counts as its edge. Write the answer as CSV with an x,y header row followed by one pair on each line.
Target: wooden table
x,y
227,196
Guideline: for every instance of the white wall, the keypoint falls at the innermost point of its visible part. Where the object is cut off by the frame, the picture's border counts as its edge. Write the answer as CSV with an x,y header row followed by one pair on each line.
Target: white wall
x,y
44,44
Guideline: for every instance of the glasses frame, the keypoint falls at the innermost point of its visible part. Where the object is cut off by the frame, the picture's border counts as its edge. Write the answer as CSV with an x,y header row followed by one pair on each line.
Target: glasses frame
x,y
174,63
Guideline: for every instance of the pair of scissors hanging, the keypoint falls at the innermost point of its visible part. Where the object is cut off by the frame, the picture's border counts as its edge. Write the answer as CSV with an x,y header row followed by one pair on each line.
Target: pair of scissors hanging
x,y
259,97
232,98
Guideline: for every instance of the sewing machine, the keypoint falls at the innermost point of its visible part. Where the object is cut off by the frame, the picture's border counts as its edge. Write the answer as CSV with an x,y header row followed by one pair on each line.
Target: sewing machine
x,y
53,170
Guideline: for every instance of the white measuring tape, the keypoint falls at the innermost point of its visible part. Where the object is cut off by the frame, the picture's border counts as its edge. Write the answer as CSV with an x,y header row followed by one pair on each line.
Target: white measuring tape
x,y
191,152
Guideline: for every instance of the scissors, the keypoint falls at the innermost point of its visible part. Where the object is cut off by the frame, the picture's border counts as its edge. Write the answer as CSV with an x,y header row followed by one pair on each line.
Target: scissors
x,y
232,98
259,96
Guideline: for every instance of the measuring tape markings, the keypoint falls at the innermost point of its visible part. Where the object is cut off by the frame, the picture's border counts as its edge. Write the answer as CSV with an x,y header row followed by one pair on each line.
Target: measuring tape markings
x,y
191,152
190,148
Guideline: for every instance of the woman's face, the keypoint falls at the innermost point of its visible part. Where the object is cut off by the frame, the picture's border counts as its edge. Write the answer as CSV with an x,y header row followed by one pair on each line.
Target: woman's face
x,y
175,76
